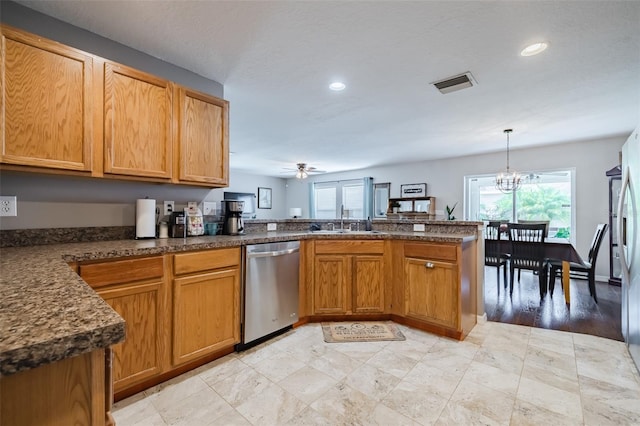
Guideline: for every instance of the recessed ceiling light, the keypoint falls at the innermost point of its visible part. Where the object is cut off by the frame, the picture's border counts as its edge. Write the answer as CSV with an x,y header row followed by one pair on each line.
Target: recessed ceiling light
x,y
534,49
337,86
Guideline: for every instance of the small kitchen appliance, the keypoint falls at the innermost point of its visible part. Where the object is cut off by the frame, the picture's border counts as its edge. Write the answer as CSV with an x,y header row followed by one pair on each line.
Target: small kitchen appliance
x,y
232,221
177,225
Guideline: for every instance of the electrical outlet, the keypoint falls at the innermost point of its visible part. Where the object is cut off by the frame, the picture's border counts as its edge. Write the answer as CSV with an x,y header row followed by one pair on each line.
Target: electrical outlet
x,y
272,226
209,208
169,207
418,227
8,206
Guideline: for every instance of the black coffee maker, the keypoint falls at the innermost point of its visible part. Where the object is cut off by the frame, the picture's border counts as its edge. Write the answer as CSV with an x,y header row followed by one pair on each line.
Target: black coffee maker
x,y
232,213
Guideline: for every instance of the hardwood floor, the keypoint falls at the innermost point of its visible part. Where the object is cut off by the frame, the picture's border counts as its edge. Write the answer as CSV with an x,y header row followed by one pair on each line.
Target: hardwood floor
x,y
583,315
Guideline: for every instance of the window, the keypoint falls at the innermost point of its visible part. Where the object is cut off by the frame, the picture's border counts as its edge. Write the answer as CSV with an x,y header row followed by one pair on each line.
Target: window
x,y
354,195
544,196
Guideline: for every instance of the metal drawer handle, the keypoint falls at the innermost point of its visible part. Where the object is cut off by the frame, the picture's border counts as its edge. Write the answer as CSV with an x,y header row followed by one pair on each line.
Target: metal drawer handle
x,y
428,265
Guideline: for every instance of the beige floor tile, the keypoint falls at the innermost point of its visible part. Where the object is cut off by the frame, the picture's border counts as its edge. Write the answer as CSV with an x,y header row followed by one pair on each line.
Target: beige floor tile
x,y
279,366
137,411
272,406
493,378
308,384
455,347
307,350
559,401
258,353
239,387
385,416
434,379
335,364
175,389
308,417
360,351
393,361
344,405
562,379
220,369
484,403
553,340
526,414
605,403
416,402
371,381
410,348
201,408
445,360
232,418
503,359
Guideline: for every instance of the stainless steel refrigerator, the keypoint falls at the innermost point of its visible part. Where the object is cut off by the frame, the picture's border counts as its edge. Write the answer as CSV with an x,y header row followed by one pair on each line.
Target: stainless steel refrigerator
x,y
629,239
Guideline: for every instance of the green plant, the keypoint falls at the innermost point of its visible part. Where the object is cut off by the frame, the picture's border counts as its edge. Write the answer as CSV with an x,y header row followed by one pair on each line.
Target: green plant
x,y
395,204
450,210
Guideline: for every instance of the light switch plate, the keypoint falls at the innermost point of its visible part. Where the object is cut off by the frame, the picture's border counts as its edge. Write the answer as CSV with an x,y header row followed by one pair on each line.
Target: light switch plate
x,y
272,226
209,208
8,205
418,227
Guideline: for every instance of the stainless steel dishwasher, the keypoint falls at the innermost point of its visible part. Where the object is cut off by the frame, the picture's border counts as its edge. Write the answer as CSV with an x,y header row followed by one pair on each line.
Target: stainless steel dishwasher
x,y
270,290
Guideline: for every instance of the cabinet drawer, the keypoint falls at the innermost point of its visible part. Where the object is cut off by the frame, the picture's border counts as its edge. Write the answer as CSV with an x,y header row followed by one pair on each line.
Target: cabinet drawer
x,y
121,271
431,251
349,247
185,263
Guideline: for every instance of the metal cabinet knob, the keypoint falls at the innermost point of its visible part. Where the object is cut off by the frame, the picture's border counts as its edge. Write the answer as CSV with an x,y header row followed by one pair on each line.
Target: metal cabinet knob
x,y
428,265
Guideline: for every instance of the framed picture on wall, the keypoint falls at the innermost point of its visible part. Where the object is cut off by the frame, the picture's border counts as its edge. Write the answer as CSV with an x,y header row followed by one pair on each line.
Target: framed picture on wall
x,y
413,190
264,198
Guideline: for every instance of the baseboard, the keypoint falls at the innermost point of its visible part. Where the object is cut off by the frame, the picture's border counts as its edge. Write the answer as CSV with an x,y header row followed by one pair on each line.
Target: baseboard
x,y
482,319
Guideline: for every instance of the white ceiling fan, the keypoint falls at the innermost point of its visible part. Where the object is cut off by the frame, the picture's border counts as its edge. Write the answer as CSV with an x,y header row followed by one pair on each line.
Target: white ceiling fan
x,y
303,171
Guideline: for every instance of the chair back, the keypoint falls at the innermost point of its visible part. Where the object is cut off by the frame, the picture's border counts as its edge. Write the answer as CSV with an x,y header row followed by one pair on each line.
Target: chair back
x,y
598,236
492,243
532,232
527,250
530,222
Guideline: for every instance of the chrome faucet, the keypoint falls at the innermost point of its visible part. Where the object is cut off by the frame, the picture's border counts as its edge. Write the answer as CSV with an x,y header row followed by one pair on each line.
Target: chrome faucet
x,y
332,226
341,216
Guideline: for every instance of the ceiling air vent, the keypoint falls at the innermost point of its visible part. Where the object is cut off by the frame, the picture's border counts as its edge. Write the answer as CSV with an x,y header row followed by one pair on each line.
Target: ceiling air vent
x,y
458,82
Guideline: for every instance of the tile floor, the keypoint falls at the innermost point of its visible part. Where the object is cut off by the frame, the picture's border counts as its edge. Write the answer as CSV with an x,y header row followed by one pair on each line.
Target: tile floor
x,y
501,374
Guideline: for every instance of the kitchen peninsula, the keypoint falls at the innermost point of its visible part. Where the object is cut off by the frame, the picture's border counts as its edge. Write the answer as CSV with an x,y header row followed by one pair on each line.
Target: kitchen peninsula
x,y
52,315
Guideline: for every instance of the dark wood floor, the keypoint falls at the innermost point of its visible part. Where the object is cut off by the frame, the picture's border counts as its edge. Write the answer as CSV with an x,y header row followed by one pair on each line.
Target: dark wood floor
x,y
583,315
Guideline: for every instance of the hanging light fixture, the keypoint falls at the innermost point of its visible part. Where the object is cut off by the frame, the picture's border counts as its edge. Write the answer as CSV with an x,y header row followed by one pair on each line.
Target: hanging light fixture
x,y
302,171
508,180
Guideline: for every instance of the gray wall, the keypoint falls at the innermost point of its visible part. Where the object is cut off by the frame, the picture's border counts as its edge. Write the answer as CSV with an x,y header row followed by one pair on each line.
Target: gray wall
x,y
445,181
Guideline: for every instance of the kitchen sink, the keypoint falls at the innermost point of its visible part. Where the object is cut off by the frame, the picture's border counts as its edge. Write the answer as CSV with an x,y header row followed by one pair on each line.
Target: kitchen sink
x,y
345,231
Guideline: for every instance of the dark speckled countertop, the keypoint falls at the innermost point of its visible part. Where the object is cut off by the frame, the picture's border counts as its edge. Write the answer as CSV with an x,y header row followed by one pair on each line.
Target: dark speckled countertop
x,y
48,313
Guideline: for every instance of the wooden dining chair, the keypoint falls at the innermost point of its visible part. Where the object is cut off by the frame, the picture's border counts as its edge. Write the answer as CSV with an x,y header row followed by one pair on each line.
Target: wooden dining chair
x,y
527,252
581,272
493,255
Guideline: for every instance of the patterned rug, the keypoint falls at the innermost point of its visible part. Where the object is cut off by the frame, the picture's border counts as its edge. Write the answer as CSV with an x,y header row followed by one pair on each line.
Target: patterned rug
x,y
361,331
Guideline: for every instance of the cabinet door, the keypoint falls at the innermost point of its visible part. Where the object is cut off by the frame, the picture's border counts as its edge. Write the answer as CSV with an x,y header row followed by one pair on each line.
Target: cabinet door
x,y
331,283
137,128
140,355
47,112
206,314
368,284
203,138
432,291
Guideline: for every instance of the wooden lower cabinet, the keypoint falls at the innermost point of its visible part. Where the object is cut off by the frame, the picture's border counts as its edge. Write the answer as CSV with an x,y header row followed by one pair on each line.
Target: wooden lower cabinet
x,y
136,290
348,277
206,314
435,283
66,392
206,303
432,291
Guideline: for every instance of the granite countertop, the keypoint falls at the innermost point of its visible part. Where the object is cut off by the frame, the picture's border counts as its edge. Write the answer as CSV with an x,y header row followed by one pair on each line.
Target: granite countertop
x,y
48,313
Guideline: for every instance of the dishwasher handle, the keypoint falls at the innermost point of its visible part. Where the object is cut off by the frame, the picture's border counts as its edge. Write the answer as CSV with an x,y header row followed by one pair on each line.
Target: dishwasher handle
x,y
273,253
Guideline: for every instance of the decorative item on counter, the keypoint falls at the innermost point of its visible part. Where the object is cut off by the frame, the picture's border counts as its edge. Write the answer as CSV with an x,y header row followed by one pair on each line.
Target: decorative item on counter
x,y
295,212
195,223
211,228
395,206
367,224
450,210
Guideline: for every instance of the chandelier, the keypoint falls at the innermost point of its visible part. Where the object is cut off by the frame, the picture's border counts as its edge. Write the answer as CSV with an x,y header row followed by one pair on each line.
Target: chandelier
x,y
508,180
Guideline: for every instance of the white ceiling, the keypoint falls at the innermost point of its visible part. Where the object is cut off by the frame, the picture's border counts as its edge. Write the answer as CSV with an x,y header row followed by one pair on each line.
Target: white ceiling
x,y
277,58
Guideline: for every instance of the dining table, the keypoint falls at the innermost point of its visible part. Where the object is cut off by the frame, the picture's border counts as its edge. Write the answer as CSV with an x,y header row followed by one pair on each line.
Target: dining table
x,y
554,248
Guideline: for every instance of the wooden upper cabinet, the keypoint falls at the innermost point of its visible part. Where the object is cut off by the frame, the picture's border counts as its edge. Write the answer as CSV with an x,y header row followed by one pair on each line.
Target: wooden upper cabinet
x,y
203,138
137,123
47,111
